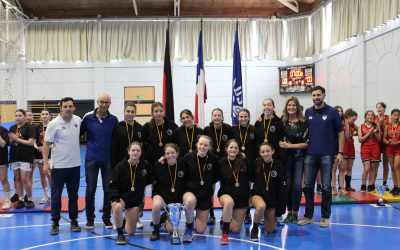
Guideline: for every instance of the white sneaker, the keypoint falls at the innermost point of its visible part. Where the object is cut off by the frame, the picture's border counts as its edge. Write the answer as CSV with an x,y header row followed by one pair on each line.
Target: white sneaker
x,y
139,225
6,205
45,199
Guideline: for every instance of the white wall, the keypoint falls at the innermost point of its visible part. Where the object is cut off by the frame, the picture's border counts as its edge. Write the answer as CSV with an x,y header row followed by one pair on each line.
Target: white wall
x,y
357,73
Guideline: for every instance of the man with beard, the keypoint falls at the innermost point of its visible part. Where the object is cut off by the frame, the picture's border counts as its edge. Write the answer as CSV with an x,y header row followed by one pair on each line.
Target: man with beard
x,y
326,139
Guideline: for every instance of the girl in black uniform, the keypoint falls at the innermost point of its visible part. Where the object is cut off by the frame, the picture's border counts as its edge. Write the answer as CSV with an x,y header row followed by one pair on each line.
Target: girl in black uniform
x,y
22,137
128,182
4,141
157,133
246,134
234,192
268,193
270,127
126,132
187,134
220,133
168,179
200,175
38,161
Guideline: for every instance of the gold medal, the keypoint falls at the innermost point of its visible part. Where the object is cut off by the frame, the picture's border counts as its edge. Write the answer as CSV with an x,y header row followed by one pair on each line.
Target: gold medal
x,y
218,150
132,189
237,184
160,144
243,148
202,183
173,190
190,150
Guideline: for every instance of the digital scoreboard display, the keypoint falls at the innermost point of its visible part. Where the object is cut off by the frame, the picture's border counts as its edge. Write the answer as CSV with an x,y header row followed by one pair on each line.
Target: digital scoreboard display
x,y
296,79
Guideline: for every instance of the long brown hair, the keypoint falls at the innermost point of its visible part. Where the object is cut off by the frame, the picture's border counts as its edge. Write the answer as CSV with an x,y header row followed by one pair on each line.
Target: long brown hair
x,y
240,162
299,113
153,106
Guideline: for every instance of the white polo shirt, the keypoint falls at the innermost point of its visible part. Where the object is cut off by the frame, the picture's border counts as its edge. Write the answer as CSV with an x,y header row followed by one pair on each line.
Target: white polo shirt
x,y
65,151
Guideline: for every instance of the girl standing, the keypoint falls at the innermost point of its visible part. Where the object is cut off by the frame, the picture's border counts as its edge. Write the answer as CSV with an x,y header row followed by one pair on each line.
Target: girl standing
x,y
186,135
346,168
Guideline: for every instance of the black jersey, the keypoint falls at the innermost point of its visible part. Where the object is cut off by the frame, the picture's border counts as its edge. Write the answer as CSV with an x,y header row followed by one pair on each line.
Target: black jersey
x,y
169,181
274,130
40,131
153,147
121,182
247,138
4,150
295,132
123,135
228,181
186,139
222,135
263,175
205,171
19,151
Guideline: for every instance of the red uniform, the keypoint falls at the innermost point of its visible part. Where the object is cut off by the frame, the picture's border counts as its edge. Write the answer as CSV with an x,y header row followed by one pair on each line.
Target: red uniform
x,y
348,149
370,150
382,124
393,134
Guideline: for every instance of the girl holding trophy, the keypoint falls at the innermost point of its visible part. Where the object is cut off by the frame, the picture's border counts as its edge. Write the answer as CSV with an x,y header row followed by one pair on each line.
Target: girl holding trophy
x,y
168,180
200,175
128,182
234,192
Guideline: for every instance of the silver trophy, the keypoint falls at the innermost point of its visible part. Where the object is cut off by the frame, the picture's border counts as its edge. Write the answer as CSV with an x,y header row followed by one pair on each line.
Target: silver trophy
x,y
381,191
174,211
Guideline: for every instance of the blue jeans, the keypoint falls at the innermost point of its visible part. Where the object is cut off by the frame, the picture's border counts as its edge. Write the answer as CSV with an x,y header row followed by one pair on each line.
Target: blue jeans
x,y
59,177
92,171
312,164
294,173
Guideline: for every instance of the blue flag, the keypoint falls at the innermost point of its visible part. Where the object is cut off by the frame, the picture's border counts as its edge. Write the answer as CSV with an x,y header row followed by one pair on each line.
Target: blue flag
x,y
237,90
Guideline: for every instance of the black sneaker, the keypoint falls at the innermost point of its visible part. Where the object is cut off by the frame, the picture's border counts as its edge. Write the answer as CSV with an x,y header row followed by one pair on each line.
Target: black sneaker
x,y
107,224
254,234
319,188
155,235
363,188
75,226
247,219
211,220
90,224
371,188
29,204
121,239
20,205
25,198
55,229
396,191
14,198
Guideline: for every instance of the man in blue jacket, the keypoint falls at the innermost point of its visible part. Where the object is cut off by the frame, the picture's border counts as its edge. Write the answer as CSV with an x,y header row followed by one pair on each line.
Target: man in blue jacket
x,y
98,125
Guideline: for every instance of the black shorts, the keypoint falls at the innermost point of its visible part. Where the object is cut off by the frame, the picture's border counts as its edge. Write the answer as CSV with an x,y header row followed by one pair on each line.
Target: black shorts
x,y
129,204
204,203
238,203
269,205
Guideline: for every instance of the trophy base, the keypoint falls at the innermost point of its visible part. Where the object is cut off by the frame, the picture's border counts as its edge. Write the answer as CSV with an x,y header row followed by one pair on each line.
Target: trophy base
x,y
380,204
176,241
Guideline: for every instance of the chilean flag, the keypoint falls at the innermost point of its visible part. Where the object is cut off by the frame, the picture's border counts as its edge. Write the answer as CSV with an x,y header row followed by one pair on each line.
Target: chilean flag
x,y
168,93
201,91
237,90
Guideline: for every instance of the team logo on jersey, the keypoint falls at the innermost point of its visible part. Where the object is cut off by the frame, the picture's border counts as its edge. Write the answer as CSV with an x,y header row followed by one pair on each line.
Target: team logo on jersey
x,y
324,117
209,166
76,125
272,128
252,136
224,137
274,173
144,172
310,117
139,134
180,174
169,131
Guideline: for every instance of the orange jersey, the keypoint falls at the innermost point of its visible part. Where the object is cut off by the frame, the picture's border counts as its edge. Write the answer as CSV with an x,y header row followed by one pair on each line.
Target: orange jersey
x,y
382,124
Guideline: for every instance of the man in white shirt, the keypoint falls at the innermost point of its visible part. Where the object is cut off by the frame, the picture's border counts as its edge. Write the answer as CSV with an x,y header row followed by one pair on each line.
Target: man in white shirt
x,y
62,134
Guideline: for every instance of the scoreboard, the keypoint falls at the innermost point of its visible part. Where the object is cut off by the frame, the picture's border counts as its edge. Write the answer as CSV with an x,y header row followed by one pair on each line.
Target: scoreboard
x,y
296,79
